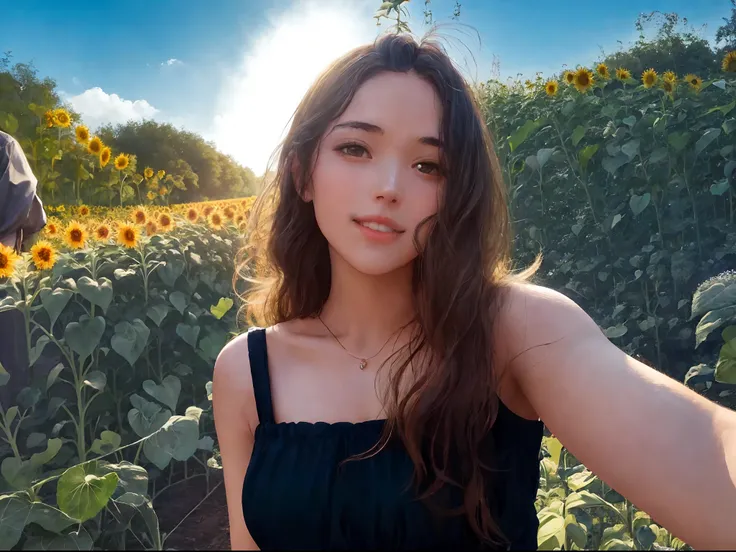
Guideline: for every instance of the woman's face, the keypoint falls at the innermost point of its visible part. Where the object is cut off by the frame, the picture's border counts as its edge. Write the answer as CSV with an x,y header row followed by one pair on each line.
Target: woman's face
x,y
377,173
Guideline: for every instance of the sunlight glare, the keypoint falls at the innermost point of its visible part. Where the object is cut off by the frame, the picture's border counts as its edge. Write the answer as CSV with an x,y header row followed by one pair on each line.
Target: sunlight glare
x,y
256,103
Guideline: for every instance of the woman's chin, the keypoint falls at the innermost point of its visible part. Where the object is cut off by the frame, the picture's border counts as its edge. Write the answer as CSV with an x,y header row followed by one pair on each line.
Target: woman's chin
x,y
372,265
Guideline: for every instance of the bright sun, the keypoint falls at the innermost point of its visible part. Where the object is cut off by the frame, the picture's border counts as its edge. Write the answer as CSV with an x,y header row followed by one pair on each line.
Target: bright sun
x,y
258,100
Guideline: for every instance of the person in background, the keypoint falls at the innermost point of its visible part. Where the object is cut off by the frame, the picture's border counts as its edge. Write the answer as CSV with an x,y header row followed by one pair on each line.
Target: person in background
x,y
21,215
21,210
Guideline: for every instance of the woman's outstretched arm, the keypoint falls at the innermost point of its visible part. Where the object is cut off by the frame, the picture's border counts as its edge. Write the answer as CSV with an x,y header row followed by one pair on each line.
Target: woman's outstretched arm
x,y
665,448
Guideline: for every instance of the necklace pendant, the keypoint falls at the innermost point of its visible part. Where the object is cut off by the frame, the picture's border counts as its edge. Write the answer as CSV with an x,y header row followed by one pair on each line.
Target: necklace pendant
x,y
363,363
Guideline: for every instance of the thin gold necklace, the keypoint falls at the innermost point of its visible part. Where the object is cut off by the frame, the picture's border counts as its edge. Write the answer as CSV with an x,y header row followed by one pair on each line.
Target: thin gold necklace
x,y
363,360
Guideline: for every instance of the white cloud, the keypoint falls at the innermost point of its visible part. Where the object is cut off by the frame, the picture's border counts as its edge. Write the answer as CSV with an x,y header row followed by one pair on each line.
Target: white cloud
x,y
97,107
172,61
256,103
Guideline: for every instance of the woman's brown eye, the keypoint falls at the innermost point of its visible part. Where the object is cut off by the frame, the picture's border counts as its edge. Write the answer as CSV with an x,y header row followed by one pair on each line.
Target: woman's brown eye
x,y
353,150
427,168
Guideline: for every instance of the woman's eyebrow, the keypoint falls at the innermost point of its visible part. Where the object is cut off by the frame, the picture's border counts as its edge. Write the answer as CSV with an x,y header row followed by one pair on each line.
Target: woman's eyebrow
x,y
370,127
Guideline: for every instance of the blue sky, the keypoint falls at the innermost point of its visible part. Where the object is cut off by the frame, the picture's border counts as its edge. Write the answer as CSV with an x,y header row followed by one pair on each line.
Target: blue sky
x,y
234,70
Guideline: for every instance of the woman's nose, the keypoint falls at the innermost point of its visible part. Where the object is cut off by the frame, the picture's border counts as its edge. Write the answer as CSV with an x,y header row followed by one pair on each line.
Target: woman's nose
x,y
388,184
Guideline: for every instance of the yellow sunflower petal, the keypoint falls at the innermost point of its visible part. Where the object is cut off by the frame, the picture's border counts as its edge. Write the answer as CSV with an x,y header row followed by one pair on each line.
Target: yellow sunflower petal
x,y
8,259
43,255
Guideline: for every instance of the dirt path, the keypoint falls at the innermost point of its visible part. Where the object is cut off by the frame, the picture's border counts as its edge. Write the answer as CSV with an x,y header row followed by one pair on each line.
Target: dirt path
x,y
206,528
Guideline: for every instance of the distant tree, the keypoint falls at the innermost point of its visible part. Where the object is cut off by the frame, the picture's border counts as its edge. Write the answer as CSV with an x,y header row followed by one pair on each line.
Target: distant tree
x,y
675,47
207,173
21,88
726,33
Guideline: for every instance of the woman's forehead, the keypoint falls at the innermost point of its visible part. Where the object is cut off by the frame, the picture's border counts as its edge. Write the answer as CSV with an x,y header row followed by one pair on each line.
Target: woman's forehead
x,y
396,101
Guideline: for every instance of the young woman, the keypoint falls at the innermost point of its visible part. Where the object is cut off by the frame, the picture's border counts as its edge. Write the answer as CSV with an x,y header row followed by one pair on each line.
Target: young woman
x,y
396,398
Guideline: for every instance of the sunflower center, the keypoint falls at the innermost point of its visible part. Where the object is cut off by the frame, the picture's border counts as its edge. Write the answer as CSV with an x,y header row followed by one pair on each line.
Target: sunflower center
x,y
76,235
3,260
102,232
140,218
129,235
44,254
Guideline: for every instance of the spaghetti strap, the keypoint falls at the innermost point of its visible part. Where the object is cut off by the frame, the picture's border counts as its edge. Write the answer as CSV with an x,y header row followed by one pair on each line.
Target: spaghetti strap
x,y
258,356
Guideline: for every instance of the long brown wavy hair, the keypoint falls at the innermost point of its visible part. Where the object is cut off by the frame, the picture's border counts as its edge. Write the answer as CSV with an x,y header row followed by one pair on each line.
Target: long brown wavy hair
x,y
458,277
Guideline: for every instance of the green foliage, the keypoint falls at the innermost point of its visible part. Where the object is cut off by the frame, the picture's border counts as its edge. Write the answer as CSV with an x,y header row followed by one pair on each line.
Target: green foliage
x,y
578,511
629,192
122,343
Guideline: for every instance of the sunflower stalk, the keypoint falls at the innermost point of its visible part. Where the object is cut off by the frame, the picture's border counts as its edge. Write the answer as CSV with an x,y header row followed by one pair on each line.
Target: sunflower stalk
x,y
122,182
556,126
692,204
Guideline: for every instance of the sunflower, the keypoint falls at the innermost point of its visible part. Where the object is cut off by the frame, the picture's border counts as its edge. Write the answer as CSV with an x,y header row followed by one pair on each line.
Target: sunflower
x,y
121,162
729,62
694,81
95,146
649,78
102,232
82,133
583,79
75,235
239,219
668,87
151,228
62,118
569,77
50,119
151,195
83,211
8,258
229,213
242,226
602,70
215,220
161,174
529,84
669,76
207,210
139,216
43,255
623,74
148,173
551,88
128,235
105,156
61,209
163,190
165,222
51,229
192,214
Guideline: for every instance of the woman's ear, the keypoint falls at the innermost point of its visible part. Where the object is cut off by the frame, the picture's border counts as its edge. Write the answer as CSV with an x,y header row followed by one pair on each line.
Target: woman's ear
x,y
304,190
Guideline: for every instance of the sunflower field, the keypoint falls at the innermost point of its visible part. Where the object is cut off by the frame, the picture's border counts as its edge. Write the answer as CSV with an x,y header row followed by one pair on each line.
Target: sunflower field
x,y
122,313
627,185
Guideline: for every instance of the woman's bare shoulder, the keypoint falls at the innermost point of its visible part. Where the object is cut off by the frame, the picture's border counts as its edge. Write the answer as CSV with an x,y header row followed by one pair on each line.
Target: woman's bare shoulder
x,y
232,383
